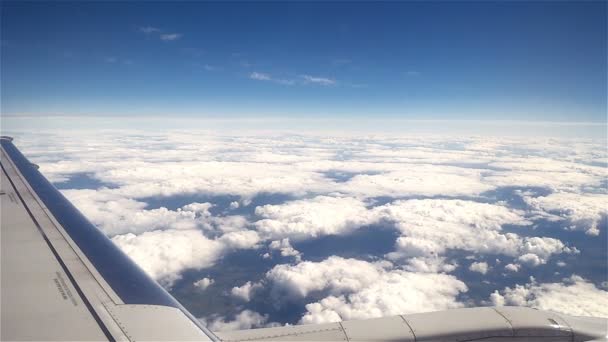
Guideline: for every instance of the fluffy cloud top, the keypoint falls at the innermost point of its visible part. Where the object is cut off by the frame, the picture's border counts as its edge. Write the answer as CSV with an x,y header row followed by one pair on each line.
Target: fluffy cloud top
x,y
479,267
203,283
512,267
284,246
163,254
245,291
246,319
319,216
583,210
426,180
358,289
430,227
575,296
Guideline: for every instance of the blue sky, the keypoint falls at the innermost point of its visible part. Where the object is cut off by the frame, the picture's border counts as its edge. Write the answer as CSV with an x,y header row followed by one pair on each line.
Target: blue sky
x,y
439,60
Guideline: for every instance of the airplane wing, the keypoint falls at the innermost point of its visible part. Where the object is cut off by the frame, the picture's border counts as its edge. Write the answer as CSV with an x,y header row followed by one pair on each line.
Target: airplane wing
x,y
63,279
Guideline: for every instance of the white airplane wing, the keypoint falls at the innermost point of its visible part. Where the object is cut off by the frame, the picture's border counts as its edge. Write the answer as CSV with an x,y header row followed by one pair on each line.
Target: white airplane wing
x,y
62,279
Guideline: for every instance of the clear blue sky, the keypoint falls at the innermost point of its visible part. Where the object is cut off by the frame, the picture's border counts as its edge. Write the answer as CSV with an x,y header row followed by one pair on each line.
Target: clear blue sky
x,y
414,60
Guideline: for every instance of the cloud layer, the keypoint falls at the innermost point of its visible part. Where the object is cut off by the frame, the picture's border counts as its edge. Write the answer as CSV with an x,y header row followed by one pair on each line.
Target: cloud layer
x,y
455,204
574,296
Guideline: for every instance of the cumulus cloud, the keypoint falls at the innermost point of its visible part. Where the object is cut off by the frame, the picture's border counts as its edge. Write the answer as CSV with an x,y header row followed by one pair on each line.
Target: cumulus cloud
x,y
479,267
116,214
246,319
357,289
286,249
203,283
426,180
163,254
574,296
322,215
431,227
584,211
245,291
180,243
241,239
512,267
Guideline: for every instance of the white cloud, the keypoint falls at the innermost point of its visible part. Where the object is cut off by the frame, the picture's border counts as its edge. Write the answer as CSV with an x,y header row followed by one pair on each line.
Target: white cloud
x,y
167,37
512,267
245,291
149,29
575,296
286,249
358,289
115,214
170,242
429,264
246,319
163,254
530,259
431,227
203,283
426,180
318,80
259,76
584,211
304,79
480,267
322,215
241,239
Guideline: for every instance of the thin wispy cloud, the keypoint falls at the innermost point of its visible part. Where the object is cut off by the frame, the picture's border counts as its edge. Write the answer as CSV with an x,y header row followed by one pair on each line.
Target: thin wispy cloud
x,y
167,37
209,67
412,73
302,80
259,76
148,29
318,80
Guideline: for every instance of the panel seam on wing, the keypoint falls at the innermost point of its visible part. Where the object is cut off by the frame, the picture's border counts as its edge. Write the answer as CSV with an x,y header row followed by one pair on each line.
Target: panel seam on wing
x,y
281,335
